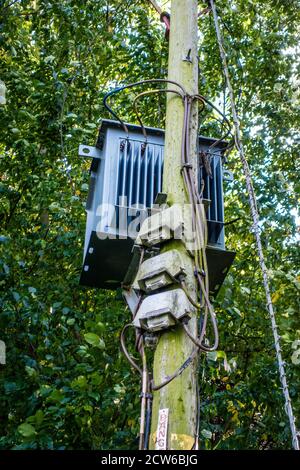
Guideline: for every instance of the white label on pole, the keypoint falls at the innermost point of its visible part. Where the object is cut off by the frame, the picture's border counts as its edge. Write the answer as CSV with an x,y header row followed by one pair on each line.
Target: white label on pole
x,y
162,429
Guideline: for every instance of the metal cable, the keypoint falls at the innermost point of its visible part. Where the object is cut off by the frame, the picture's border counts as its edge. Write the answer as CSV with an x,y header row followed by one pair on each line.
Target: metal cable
x,y
124,349
145,395
143,398
224,136
255,218
177,373
131,85
148,418
199,226
200,229
199,343
145,93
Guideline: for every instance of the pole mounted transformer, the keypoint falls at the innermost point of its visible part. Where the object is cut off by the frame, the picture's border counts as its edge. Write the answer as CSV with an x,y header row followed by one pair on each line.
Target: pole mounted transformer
x,y
140,238
155,228
126,178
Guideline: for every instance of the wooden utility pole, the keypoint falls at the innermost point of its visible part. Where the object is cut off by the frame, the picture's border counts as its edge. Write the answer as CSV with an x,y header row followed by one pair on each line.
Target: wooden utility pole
x,y
174,347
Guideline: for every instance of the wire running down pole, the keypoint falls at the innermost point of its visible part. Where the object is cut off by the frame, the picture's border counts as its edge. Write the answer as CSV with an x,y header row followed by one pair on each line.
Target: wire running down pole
x,y
255,217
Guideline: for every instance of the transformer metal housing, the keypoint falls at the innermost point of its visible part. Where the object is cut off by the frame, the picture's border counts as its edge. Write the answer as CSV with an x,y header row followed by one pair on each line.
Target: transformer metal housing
x,y
125,179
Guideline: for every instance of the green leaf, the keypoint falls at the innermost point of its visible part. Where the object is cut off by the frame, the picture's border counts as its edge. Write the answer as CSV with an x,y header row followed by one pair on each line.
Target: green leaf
x,y
94,340
56,396
30,371
79,382
26,430
39,417
16,296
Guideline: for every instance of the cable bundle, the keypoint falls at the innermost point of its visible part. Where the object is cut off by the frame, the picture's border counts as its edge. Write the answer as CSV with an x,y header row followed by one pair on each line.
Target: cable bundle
x,y
199,254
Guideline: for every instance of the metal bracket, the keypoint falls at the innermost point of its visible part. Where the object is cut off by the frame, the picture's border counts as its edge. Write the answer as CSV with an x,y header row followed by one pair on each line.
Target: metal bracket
x,y
132,299
188,57
89,151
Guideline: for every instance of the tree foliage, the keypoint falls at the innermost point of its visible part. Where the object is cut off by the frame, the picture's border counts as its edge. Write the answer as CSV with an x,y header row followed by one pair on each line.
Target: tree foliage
x,y
65,384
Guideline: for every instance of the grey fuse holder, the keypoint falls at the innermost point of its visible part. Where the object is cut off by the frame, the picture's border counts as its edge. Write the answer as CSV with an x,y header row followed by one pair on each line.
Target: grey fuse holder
x,y
172,222
160,271
163,310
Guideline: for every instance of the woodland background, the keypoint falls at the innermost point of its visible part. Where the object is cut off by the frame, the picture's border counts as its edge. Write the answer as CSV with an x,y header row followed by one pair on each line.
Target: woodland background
x,y
63,388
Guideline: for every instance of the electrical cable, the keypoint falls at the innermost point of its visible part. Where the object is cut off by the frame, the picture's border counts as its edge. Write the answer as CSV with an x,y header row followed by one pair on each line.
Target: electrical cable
x,y
124,349
177,373
198,225
196,441
131,85
200,230
145,395
198,342
148,419
143,398
224,136
185,290
145,93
